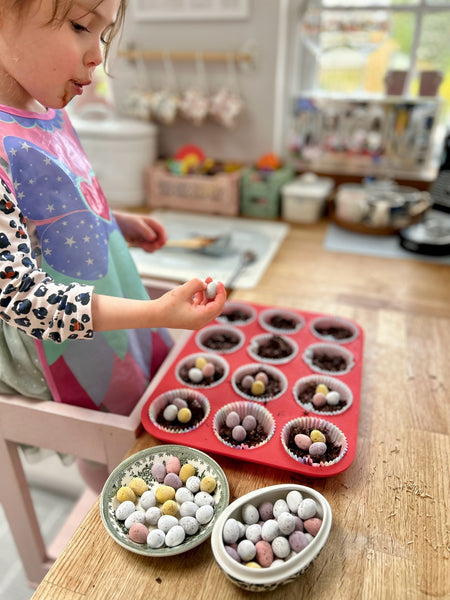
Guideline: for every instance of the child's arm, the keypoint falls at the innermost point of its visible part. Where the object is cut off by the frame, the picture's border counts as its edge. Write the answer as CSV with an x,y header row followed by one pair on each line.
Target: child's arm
x,y
141,230
185,307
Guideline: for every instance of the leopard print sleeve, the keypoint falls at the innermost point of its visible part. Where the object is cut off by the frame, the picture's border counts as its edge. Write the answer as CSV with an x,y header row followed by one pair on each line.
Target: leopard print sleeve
x,y
30,299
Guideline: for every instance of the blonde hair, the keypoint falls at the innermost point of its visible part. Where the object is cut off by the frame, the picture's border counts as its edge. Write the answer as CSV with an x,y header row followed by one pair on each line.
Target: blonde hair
x,y
60,11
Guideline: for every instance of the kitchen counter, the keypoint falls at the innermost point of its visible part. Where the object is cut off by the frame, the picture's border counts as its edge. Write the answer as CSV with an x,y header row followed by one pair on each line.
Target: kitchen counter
x,y
389,537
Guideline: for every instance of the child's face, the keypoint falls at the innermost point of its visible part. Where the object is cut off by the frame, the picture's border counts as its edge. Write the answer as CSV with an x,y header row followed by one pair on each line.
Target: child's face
x,y
46,65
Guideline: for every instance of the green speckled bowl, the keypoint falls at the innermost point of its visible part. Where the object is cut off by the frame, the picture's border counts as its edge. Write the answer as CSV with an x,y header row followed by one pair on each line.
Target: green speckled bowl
x,y
139,465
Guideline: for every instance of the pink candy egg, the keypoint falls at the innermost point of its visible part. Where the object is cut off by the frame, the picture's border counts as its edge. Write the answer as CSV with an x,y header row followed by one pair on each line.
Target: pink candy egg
x,y
208,370
138,532
302,441
312,526
173,465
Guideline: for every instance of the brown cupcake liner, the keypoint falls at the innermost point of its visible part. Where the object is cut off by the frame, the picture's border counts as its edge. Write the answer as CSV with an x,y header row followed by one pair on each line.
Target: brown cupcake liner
x,y
243,408
160,403
332,351
335,435
330,322
189,361
266,315
332,384
258,339
253,369
203,335
231,306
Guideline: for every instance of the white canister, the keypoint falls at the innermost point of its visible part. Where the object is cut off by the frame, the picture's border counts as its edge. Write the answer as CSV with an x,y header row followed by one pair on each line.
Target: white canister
x,y
120,151
303,200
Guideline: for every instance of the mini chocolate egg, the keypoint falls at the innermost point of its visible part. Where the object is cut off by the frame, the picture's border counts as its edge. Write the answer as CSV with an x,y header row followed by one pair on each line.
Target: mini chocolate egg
x,y
175,536
298,541
190,525
179,402
247,382
250,514
238,433
125,509
186,471
317,449
249,423
195,375
246,550
172,480
166,522
158,471
208,484
322,389
317,436
280,506
188,509
200,362
281,547
211,290
138,533
170,412
138,516
258,388
294,498
173,464
307,509
184,495
313,525
204,514
266,511
264,553
253,532
202,498
208,370
170,507
261,376
230,531
319,400
233,553
184,415
156,538
138,485
152,515
302,441
147,500
193,484
164,492
270,530
232,419
125,493
253,565
332,398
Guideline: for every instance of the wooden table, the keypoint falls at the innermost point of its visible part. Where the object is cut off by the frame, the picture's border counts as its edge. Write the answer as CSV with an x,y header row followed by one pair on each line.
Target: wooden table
x,y
389,538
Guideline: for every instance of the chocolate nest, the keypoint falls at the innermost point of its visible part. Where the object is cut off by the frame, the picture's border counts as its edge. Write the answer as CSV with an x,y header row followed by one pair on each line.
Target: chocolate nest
x,y
226,340
333,451
253,438
197,413
275,347
306,395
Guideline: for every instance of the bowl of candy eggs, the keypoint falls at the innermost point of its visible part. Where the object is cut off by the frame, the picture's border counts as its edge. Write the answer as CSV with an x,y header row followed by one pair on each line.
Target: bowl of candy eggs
x,y
268,537
163,500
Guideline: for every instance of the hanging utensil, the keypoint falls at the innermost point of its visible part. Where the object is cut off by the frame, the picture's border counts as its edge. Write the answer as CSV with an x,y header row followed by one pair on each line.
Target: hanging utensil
x,y
247,258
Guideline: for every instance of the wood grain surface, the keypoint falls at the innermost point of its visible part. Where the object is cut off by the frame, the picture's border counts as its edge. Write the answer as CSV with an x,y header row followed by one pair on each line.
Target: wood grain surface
x,y
390,532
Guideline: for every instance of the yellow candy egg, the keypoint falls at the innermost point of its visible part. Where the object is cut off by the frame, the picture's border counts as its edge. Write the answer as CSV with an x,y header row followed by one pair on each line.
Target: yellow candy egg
x,y
184,415
322,389
317,436
138,485
208,484
164,493
200,362
258,388
125,493
170,507
186,471
253,565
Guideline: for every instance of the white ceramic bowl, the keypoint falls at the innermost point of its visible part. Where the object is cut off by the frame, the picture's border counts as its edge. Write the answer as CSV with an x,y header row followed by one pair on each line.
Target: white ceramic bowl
x,y
267,579
139,465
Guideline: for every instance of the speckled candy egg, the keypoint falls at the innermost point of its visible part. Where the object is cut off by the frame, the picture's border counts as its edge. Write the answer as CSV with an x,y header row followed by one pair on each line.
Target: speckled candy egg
x,y
164,492
208,370
317,436
266,511
138,485
211,290
170,507
247,382
286,523
152,515
250,514
170,412
138,516
204,514
319,400
195,375
125,509
302,441
125,493
249,423
186,471
158,471
138,533
294,499
246,550
238,433
253,532
263,377
230,532
317,449
184,495
312,526
172,480
208,484
258,388
190,525
298,541
333,398
193,483
232,419
270,530
203,498
147,500
281,547
175,536
307,509
184,415
179,402
166,522
156,538
264,553
188,509
173,464
279,507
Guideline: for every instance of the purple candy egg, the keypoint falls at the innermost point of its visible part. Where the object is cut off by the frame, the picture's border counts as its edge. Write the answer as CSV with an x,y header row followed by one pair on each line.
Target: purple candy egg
x,y
249,423
232,419
239,434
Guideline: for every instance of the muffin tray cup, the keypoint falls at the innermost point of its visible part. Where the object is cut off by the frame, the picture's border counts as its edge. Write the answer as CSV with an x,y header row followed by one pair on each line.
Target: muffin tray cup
x,y
284,409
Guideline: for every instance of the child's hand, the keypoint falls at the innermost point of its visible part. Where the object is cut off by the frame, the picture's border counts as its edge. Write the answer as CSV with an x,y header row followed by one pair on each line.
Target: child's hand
x,y
186,307
141,230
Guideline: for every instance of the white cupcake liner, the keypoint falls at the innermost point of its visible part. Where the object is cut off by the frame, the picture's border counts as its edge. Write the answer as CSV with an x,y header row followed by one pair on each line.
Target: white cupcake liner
x,y
230,306
253,369
203,335
243,408
331,350
334,434
258,339
266,315
331,321
332,384
160,403
190,362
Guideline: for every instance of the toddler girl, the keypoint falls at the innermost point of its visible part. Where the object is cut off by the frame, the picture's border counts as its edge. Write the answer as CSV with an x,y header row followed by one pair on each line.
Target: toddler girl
x,y
76,323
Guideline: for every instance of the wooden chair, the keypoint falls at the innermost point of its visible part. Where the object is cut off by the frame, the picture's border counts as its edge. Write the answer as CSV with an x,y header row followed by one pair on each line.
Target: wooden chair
x,y
84,433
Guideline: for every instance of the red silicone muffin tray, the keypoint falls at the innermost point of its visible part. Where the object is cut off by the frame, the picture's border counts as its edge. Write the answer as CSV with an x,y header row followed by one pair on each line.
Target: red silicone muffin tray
x,y
283,409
